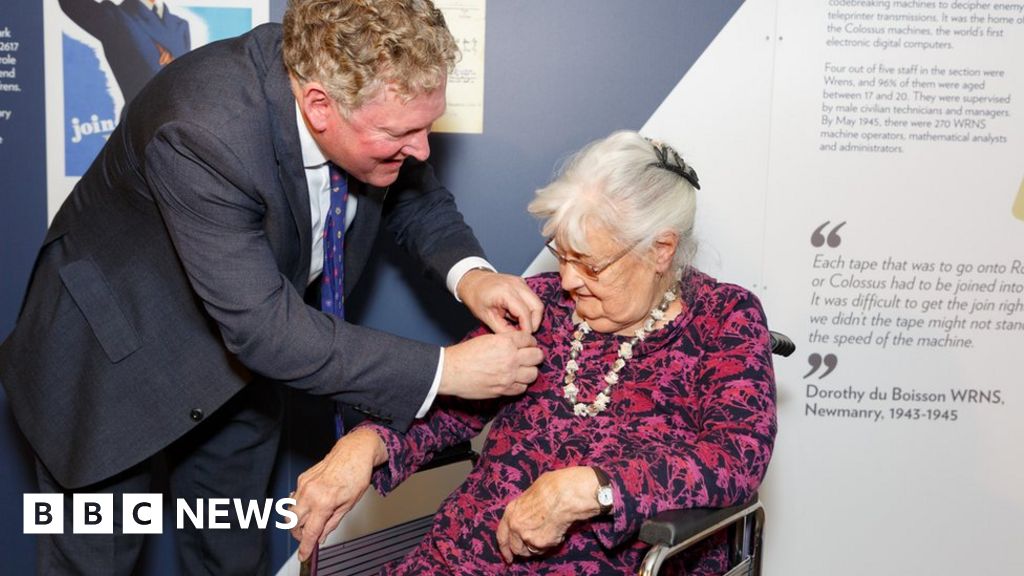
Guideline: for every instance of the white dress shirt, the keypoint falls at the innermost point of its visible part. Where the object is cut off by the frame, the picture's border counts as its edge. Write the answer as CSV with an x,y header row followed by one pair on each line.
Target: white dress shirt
x,y
318,181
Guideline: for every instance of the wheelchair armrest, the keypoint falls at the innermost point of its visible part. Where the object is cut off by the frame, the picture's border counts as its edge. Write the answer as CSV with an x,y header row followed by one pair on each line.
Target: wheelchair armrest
x,y
458,453
672,527
781,344
367,554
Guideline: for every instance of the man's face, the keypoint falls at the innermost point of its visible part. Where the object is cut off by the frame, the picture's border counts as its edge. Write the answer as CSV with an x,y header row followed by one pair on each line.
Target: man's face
x,y
373,141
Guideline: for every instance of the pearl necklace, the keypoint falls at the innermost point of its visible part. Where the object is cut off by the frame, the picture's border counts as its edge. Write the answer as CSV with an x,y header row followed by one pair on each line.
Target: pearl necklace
x,y
611,378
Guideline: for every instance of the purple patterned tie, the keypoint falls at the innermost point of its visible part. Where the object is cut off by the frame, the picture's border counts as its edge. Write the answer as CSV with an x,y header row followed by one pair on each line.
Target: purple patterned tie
x,y
332,292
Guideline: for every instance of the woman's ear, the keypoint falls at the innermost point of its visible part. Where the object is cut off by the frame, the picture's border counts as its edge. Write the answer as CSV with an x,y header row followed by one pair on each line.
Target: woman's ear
x,y
665,246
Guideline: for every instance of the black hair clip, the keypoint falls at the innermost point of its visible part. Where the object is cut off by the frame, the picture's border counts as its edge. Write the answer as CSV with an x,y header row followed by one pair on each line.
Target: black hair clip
x,y
669,159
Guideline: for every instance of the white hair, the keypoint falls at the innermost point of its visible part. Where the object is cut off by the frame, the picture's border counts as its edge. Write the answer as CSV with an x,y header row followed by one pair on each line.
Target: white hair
x,y
615,185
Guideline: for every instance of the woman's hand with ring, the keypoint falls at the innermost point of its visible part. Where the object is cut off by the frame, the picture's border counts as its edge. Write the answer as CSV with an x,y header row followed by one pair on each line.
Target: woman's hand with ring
x,y
536,521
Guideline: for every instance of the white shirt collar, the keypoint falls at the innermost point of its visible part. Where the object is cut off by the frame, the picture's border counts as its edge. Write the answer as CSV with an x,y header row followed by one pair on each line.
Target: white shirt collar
x,y
312,156
156,6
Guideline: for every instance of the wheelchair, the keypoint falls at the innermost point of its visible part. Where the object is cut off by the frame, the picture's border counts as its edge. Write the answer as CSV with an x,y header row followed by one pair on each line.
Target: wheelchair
x,y
669,533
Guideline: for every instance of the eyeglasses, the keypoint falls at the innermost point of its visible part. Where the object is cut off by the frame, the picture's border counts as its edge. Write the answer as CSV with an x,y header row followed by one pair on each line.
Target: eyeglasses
x,y
591,271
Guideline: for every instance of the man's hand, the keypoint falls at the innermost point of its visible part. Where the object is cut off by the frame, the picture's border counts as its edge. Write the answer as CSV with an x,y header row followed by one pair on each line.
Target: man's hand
x,y
501,301
538,519
490,365
328,490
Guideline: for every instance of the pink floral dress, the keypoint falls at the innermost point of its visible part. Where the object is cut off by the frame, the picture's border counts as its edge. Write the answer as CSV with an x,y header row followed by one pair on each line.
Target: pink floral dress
x,y
691,423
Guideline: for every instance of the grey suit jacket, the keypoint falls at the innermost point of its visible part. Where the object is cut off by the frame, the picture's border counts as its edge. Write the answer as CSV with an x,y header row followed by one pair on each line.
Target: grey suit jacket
x,y
173,274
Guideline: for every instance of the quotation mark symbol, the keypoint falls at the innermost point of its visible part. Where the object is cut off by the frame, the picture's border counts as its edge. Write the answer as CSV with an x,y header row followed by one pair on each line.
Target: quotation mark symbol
x,y
833,240
815,360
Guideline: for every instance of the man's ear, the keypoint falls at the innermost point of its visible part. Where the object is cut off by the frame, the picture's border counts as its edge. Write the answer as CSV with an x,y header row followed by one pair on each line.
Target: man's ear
x,y
317,106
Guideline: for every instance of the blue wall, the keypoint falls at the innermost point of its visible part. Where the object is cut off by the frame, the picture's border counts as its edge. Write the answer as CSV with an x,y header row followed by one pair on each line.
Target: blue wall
x,y
22,225
558,74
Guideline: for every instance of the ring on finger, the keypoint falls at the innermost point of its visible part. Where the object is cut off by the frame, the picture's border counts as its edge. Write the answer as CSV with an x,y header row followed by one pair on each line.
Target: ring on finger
x,y
532,550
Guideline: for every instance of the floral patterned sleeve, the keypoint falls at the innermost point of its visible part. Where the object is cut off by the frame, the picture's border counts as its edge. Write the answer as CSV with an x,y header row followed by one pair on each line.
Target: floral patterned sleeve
x,y
715,451
449,421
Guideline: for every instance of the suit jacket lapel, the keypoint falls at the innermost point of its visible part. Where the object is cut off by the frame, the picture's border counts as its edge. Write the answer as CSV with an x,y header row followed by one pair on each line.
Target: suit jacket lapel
x,y
362,234
288,153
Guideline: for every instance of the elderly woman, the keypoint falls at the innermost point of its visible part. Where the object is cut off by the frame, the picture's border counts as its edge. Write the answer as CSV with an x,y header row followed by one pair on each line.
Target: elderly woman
x,y
657,391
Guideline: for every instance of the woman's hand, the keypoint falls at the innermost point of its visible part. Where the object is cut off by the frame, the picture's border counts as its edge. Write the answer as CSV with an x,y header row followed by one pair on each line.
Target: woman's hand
x,y
538,519
328,490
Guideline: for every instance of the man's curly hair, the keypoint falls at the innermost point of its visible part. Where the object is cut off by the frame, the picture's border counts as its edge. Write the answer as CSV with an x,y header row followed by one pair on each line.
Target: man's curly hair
x,y
355,47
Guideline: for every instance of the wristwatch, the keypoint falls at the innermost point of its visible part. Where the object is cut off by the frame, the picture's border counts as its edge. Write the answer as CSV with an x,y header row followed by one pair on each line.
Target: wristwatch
x,y
605,496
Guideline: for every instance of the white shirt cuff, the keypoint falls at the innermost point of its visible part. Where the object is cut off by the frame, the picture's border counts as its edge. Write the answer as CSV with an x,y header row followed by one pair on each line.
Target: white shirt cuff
x,y
429,400
459,270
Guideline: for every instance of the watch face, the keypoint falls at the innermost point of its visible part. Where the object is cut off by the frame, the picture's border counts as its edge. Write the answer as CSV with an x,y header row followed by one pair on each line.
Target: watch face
x,y
604,496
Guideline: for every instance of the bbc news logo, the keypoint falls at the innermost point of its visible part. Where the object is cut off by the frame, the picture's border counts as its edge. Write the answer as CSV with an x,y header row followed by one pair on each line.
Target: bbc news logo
x,y
143,513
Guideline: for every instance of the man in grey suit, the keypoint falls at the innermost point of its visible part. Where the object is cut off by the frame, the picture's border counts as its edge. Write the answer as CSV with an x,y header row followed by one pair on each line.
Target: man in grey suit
x,y
169,291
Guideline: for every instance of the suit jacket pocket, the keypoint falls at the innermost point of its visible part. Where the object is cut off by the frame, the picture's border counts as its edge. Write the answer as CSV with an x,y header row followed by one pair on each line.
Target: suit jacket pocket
x,y
93,296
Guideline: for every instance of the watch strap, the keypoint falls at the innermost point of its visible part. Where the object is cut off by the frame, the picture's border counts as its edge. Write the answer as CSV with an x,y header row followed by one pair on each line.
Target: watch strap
x,y
604,483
